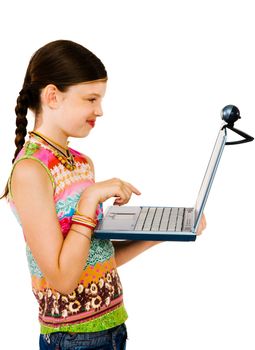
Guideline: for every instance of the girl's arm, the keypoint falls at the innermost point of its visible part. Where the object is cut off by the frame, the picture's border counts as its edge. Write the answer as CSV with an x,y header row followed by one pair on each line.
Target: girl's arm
x,y
127,250
61,261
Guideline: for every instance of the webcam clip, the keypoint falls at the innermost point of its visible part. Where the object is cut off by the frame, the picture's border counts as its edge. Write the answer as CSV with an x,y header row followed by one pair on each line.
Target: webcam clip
x,y
246,137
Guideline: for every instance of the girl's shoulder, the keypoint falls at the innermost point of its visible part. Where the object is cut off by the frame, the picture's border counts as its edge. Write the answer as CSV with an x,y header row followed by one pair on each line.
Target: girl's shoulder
x,y
25,167
33,149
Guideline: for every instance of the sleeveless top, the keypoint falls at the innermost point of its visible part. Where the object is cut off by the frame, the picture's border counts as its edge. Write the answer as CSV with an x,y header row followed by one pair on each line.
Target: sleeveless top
x,y
96,303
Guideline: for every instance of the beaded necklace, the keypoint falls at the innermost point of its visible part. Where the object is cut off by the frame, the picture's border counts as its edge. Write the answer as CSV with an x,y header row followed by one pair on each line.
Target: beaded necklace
x,y
66,159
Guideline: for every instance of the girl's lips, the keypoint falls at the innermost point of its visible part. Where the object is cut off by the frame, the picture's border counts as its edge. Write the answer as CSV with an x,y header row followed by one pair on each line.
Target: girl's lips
x,y
91,123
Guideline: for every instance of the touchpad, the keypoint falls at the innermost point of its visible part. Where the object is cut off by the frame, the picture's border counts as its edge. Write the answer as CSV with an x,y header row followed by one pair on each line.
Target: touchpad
x,y
120,218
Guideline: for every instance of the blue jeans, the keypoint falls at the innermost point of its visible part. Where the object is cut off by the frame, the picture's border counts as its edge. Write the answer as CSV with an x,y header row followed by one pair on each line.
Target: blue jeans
x,y
110,339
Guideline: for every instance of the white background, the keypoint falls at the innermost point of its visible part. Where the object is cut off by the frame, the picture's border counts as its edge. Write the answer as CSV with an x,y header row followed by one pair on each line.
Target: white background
x,y
172,65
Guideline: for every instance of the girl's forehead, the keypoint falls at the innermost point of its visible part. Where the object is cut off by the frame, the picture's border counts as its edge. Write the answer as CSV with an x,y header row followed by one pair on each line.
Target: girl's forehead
x,y
97,87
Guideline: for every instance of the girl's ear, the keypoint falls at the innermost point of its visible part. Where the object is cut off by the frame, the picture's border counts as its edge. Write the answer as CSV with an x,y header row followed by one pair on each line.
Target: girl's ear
x,y
51,96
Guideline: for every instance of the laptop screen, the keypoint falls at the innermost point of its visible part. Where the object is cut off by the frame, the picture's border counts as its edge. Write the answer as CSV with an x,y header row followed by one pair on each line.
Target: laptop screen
x,y
209,176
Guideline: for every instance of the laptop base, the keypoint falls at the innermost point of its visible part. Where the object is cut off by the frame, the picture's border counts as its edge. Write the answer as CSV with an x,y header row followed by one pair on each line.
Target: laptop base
x,y
145,236
146,224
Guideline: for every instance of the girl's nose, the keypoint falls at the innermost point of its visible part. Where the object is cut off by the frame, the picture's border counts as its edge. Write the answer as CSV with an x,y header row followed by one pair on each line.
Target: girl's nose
x,y
98,111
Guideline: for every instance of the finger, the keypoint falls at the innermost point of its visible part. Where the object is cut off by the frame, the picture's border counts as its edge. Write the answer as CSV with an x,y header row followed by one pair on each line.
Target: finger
x,y
203,221
118,201
128,193
132,188
121,197
202,225
199,230
125,191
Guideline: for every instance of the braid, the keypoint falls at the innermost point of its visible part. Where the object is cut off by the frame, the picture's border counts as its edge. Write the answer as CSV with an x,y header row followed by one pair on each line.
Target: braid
x,y
23,102
21,120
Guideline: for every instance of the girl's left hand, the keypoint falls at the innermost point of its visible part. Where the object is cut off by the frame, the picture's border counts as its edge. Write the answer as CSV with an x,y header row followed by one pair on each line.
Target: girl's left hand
x,y
201,226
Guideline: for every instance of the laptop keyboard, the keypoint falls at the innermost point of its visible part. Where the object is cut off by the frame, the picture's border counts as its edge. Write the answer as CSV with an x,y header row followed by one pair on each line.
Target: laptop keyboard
x,y
164,219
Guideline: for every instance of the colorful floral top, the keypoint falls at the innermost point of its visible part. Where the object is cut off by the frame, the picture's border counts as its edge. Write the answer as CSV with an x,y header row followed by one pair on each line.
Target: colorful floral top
x,y
96,303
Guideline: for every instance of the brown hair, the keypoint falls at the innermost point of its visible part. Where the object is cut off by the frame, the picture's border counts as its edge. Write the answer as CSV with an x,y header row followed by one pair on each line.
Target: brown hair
x,y
62,63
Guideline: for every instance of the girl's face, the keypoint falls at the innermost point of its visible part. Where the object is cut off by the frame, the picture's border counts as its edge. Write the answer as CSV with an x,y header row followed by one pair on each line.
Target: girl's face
x,y
79,108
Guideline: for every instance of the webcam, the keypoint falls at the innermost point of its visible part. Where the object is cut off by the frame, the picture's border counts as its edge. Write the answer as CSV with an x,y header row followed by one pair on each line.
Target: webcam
x,y
230,114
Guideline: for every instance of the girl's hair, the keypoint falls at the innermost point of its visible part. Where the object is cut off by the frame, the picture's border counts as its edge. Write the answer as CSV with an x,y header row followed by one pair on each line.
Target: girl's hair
x,y
62,63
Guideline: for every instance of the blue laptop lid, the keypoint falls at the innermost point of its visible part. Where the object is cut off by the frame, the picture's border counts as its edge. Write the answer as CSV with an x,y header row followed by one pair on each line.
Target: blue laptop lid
x,y
209,176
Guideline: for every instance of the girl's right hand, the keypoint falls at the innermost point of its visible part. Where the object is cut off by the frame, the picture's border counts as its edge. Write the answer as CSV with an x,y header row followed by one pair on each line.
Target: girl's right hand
x,y
101,191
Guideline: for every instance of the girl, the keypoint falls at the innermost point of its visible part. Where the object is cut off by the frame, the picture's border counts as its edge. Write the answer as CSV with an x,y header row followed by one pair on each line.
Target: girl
x,y
53,194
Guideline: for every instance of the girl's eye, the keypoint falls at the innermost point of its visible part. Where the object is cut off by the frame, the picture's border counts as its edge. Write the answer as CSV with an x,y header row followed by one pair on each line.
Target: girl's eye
x,y
92,100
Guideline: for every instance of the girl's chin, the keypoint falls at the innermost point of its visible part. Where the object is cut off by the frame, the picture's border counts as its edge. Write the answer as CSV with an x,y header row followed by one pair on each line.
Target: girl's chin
x,y
80,135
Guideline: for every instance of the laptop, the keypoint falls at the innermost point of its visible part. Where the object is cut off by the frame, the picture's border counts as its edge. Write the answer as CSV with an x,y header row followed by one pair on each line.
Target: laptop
x,y
161,223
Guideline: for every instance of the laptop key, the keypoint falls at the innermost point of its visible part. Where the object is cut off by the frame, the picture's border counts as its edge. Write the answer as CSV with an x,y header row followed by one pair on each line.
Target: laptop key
x,y
188,219
141,219
172,220
179,219
149,219
157,218
165,219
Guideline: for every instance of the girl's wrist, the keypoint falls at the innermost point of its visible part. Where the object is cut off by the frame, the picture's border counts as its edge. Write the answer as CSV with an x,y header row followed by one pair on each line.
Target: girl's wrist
x,y
87,207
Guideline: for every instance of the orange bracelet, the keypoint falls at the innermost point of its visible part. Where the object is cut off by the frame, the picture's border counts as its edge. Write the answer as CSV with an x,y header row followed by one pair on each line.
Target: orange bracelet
x,y
77,212
80,219
83,224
